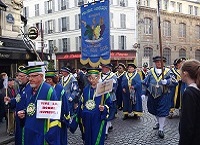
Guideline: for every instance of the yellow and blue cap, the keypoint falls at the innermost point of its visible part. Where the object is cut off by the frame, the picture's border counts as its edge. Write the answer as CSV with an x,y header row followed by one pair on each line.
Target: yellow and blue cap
x,y
91,71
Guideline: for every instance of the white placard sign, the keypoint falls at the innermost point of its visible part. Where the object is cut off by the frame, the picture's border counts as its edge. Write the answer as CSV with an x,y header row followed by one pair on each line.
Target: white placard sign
x,y
104,87
48,109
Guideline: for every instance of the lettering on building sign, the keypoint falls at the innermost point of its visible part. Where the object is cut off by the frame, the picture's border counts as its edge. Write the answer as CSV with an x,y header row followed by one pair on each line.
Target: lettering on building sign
x,y
4,55
118,54
72,56
32,33
10,19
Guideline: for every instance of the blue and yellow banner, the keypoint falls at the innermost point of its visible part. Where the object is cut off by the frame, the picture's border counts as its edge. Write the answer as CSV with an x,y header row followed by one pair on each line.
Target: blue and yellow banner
x,y
95,33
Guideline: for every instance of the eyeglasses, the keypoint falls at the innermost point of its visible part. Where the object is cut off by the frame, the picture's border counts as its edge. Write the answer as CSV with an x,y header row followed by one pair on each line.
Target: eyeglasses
x,y
33,76
21,76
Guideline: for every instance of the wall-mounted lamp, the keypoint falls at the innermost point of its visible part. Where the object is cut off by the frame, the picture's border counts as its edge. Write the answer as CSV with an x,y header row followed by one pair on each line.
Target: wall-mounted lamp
x,y
175,48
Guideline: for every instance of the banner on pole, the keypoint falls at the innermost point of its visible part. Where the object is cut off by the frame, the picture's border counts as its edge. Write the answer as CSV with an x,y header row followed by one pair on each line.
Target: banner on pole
x,y
48,109
95,33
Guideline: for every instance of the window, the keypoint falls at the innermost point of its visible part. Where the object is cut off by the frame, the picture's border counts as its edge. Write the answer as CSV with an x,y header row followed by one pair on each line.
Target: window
x,y
167,54
50,45
198,31
50,26
179,7
37,13
63,4
49,6
77,21
111,2
26,12
147,3
182,53
195,10
166,4
123,21
190,9
111,20
66,44
148,52
182,30
64,24
122,42
78,43
160,4
167,28
172,6
148,26
197,54
112,42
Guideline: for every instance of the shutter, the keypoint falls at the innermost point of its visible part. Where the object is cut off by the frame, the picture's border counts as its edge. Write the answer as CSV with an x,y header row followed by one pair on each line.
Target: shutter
x,y
59,5
53,5
59,25
76,43
124,42
67,23
67,4
126,4
119,42
46,27
27,12
68,44
60,45
45,7
54,26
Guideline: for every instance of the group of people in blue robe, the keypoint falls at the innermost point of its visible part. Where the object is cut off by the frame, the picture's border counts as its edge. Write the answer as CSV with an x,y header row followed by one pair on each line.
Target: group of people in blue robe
x,y
92,113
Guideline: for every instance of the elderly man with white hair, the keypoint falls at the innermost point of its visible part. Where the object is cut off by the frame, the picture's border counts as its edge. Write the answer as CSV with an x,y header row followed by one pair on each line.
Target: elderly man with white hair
x,y
38,131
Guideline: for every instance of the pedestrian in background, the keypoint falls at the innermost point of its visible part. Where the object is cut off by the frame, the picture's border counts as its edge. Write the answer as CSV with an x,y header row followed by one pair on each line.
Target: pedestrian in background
x,y
189,127
119,73
2,106
10,112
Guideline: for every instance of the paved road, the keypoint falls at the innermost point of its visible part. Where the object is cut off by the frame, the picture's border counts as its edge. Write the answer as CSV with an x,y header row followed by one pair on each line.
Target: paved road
x,y
135,132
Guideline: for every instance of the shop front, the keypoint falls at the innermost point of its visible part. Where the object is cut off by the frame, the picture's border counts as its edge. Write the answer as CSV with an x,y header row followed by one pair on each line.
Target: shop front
x,y
72,59
13,53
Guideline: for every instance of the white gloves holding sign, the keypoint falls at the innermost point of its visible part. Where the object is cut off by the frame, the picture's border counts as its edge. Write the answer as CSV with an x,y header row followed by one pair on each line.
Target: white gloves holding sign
x,y
164,82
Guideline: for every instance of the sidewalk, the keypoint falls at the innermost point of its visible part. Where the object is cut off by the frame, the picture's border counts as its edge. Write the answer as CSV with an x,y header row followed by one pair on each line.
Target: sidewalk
x,y
4,137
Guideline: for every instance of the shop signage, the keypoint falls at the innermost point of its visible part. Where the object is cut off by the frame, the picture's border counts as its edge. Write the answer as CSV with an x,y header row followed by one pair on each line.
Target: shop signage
x,y
32,33
10,19
4,55
72,56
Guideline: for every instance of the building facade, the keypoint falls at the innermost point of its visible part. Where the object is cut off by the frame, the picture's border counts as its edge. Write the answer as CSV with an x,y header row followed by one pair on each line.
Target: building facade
x,y
60,23
13,51
180,30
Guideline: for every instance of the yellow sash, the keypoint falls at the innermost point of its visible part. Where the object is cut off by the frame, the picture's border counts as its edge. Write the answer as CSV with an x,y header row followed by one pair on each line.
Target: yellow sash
x,y
65,83
158,78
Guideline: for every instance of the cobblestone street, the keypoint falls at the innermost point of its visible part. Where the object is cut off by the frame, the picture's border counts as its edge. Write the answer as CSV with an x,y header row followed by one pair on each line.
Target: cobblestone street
x,y
137,132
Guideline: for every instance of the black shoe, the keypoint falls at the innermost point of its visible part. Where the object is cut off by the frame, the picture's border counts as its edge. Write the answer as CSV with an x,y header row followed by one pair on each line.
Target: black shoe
x,y
161,134
125,117
106,136
110,128
156,127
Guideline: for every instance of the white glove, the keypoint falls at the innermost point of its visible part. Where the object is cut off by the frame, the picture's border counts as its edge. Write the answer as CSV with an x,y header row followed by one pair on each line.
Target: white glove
x,y
70,99
164,82
143,97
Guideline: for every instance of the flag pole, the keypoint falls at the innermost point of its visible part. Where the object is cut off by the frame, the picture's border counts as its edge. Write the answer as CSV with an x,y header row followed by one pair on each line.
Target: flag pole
x,y
160,37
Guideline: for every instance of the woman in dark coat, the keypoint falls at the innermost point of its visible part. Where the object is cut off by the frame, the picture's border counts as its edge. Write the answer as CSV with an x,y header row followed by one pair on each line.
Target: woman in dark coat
x,y
189,127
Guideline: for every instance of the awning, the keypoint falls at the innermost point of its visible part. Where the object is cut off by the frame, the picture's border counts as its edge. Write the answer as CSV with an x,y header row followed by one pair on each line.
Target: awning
x,y
2,6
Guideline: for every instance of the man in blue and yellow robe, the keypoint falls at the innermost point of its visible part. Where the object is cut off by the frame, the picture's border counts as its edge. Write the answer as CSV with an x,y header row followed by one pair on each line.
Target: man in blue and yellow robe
x,y
132,89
